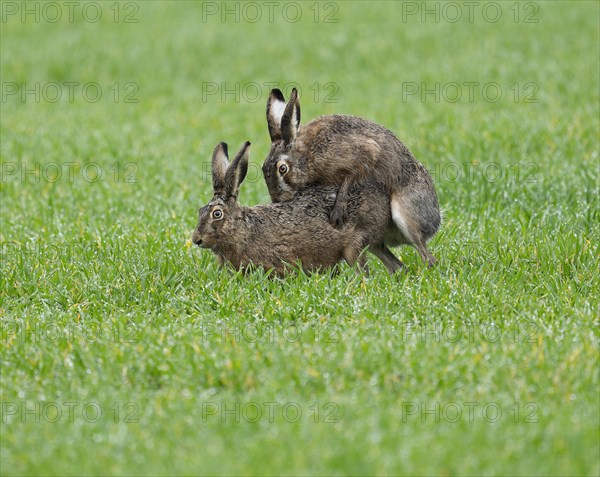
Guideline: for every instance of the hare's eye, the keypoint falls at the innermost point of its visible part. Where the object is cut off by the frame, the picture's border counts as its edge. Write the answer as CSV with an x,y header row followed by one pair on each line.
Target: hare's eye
x,y
283,169
217,214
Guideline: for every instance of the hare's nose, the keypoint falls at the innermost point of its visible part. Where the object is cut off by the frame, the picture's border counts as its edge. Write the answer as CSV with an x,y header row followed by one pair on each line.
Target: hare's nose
x,y
196,239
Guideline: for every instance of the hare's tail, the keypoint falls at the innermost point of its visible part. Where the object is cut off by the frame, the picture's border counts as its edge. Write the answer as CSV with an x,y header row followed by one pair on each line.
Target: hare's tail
x,y
417,218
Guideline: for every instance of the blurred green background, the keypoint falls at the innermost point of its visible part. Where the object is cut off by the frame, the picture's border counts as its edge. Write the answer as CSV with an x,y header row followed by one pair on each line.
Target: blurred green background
x,y
109,114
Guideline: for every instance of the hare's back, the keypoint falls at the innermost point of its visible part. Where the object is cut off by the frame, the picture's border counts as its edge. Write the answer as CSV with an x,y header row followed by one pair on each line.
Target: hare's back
x,y
338,146
297,230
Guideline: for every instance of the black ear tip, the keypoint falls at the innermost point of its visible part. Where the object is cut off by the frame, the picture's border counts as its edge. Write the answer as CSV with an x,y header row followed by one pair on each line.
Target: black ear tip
x,y
244,148
223,146
277,94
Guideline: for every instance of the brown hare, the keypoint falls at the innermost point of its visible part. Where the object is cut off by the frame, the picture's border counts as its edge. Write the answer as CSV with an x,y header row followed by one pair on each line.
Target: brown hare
x,y
276,235
342,151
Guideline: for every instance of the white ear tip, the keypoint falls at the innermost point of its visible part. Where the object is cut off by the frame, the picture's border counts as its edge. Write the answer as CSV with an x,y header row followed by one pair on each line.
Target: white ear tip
x,y
277,110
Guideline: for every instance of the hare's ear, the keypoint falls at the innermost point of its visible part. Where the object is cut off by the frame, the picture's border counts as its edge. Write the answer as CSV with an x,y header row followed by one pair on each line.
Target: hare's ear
x,y
220,163
275,109
236,172
290,121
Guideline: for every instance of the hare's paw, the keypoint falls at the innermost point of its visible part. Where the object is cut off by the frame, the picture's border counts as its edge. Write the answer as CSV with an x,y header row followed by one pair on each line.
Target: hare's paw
x,y
339,215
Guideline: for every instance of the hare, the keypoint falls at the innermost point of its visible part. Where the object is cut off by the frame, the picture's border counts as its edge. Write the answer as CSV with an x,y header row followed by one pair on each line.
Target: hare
x,y
341,151
279,234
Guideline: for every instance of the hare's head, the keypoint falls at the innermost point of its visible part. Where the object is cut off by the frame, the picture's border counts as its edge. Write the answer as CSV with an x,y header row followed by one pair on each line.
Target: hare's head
x,y
217,219
283,173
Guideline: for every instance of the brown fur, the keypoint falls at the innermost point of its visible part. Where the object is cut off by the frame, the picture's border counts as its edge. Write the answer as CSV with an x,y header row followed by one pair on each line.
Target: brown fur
x,y
276,235
342,151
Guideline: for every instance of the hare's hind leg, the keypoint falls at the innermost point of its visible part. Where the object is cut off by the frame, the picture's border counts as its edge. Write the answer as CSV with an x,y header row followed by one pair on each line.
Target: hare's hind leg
x,y
384,254
426,255
407,219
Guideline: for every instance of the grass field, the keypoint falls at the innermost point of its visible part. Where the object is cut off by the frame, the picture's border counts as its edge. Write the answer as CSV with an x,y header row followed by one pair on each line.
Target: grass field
x,y
126,351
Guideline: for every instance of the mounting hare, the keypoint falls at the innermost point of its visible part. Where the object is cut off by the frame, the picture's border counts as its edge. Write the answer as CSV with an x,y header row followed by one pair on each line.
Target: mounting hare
x,y
342,151
279,234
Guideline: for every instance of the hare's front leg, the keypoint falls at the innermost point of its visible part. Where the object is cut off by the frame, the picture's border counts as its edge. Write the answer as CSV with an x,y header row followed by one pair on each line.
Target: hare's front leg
x,y
356,253
339,214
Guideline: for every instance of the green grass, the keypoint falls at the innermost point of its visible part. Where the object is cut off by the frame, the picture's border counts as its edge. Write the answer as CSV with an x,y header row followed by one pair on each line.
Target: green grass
x,y
104,301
